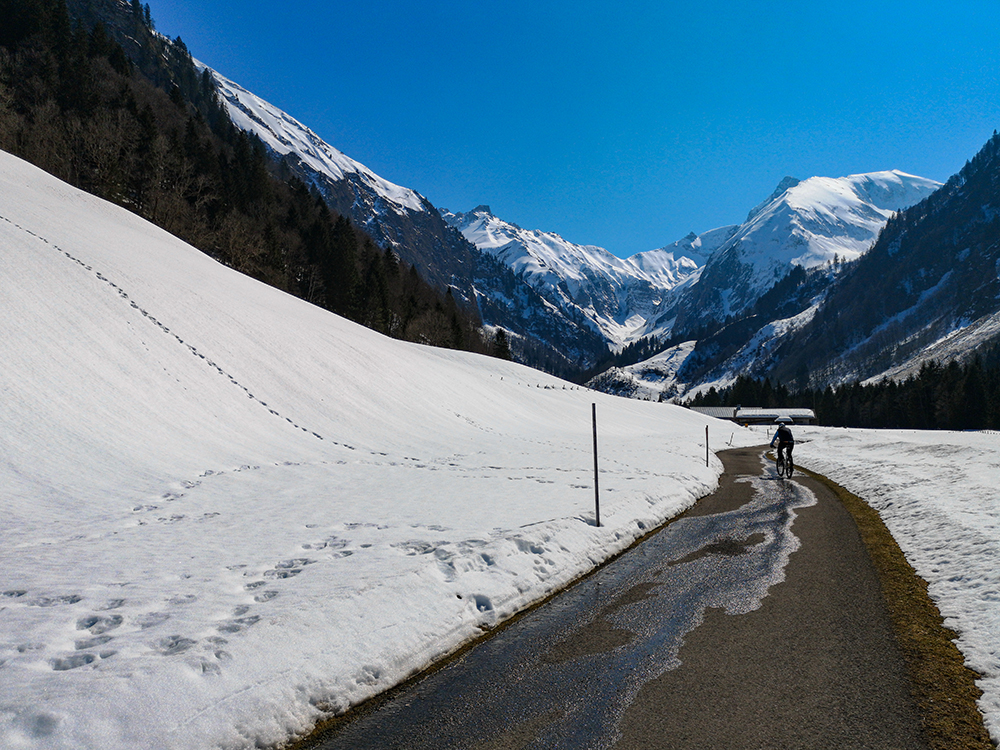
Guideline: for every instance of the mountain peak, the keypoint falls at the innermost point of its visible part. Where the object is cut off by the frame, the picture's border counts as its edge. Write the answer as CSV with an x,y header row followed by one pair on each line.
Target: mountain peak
x,y
482,209
786,184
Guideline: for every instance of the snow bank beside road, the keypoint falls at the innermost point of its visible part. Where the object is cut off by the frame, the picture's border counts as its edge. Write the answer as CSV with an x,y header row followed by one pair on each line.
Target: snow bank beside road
x,y
938,494
224,507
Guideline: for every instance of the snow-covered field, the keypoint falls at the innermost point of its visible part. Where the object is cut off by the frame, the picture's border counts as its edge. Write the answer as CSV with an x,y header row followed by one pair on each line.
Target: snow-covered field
x,y
225,510
939,494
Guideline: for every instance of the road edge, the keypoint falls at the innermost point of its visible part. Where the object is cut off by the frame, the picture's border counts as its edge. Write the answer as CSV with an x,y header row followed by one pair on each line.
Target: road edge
x,y
329,724
944,688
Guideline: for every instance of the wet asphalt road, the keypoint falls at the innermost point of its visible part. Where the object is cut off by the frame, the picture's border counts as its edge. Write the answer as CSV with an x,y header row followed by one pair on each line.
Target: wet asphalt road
x,y
753,621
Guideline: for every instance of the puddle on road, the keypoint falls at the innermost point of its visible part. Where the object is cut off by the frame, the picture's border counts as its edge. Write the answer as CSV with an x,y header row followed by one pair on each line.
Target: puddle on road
x,y
566,673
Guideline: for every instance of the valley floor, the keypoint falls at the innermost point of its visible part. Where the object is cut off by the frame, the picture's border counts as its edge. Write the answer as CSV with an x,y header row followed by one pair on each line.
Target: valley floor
x,y
755,620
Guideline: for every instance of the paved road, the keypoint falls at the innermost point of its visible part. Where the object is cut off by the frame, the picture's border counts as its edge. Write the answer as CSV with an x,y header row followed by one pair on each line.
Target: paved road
x,y
753,621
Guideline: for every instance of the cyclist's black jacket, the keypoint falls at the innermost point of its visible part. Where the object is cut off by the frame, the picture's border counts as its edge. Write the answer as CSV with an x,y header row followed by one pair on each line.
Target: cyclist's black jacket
x,y
783,436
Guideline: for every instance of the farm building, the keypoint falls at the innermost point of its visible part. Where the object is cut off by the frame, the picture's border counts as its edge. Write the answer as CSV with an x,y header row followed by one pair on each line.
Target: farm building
x,y
751,415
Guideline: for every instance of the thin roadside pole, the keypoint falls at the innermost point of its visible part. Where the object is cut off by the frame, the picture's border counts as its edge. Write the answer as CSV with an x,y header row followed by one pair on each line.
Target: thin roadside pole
x,y
706,445
597,491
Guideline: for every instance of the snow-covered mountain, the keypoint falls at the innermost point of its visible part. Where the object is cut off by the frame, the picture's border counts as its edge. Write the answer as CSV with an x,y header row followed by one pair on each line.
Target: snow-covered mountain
x,y
808,223
617,294
400,218
566,303
772,276
700,280
928,289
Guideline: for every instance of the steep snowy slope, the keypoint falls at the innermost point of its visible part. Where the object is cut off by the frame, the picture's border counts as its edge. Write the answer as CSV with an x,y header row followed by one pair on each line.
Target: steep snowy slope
x,y
618,295
648,380
226,510
287,136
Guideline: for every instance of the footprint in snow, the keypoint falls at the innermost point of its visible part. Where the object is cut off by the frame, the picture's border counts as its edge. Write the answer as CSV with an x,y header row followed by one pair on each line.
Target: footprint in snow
x,y
152,619
99,624
237,624
54,601
86,643
72,662
173,644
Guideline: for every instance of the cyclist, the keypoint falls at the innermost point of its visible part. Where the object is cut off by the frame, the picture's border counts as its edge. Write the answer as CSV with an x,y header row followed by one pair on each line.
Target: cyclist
x,y
783,436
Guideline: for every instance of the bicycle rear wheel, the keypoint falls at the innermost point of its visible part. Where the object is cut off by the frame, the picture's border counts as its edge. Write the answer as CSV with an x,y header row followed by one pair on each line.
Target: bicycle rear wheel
x,y
779,464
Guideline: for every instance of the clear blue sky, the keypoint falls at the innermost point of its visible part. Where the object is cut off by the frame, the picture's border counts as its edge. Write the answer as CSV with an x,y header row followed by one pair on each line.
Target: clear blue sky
x,y
624,125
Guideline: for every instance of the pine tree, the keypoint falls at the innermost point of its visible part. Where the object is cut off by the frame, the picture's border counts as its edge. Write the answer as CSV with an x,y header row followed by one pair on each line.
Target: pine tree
x,y
501,345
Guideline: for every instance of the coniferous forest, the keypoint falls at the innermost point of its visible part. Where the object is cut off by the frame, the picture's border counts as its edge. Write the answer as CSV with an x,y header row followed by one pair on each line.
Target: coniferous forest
x,y
145,131
938,397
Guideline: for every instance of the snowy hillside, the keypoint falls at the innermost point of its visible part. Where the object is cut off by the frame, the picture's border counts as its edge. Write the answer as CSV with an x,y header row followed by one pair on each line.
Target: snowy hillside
x,y
960,345
617,294
227,510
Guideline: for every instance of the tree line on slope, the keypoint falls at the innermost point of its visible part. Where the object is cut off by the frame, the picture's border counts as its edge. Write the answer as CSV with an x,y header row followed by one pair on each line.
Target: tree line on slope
x,y
146,131
939,397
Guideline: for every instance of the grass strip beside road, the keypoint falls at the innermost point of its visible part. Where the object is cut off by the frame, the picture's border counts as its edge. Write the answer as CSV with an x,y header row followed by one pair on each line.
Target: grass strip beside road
x,y
944,688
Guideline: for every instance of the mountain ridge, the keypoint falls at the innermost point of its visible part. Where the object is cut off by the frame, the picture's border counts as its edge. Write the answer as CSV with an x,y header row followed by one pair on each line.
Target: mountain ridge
x,y
401,219
576,301
614,293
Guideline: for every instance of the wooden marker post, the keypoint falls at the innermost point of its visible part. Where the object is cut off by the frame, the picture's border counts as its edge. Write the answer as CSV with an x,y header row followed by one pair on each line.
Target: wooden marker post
x,y
597,491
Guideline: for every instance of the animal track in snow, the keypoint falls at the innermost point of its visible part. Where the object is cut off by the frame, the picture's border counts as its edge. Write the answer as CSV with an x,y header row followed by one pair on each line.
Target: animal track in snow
x,y
120,292
94,642
287,568
72,662
237,624
173,644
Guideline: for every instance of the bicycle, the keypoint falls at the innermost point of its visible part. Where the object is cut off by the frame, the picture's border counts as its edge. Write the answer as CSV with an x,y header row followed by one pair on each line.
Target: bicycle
x,y
784,464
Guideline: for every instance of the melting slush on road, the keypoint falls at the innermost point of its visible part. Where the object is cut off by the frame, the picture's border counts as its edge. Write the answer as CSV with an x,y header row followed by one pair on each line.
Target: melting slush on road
x,y
564,676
